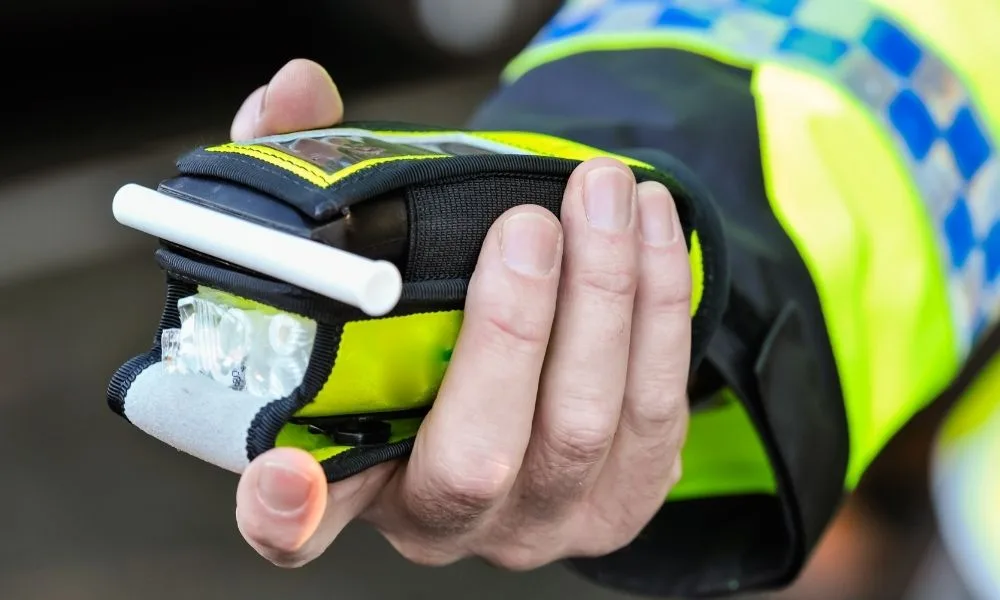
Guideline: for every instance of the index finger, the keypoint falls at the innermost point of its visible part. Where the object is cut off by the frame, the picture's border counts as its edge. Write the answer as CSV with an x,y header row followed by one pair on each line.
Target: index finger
x,y
469,450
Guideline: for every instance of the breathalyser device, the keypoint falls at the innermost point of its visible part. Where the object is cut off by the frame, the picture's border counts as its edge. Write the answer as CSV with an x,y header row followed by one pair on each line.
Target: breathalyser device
x,y
315,281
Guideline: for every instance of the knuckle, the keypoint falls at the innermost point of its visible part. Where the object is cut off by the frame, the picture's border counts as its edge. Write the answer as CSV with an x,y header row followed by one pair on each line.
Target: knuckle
x,y
549,489
670,292
661,453
585,430
509,324
549,492
516,329
472,493
553,479
581,444
657,413
613,282
454,498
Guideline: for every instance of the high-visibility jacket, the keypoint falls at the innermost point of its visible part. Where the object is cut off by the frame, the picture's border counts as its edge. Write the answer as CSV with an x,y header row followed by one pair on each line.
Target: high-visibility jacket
x,y
850,147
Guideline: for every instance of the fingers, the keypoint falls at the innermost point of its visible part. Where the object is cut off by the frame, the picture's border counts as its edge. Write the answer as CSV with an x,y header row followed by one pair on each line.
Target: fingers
x,y
588,357
557,428
287,512
300,96
470,447
644,458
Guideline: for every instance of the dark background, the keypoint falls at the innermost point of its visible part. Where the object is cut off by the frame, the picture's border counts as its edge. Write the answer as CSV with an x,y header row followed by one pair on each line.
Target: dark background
x,y
97,94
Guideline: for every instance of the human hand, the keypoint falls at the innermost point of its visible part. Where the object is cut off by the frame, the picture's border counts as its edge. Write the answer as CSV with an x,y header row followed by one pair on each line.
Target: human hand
x,y
558,426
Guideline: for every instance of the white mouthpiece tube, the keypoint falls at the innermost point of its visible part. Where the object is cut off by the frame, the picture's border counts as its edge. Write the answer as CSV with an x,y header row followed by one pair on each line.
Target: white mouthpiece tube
x,y
372,286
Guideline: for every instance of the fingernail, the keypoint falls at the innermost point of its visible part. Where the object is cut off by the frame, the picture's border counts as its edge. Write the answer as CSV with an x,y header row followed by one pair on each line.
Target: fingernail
x,y
656,214
529,244
607,198
282,490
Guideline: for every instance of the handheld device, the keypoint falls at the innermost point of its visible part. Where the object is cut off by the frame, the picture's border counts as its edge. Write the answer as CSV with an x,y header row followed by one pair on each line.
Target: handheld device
x,y
315,282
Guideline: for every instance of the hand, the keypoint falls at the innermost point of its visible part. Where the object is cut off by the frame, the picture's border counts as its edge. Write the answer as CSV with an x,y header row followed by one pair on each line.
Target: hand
x,y
558,427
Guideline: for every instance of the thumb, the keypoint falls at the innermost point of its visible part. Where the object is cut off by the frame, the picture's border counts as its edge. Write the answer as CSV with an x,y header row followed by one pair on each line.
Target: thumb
x,y
300,96
288,513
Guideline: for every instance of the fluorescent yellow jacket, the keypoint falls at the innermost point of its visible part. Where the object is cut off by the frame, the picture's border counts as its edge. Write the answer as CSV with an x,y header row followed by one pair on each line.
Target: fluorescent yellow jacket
x,y
850,147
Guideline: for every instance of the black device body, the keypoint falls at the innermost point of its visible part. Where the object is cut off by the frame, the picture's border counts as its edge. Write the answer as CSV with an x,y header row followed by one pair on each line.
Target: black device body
x,y
377,229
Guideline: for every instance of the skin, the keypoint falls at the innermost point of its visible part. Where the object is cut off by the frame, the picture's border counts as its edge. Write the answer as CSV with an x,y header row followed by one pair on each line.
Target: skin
x,y
558,428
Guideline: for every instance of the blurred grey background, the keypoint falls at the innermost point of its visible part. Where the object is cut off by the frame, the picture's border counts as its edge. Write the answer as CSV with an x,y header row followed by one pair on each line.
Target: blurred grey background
x,y
100,93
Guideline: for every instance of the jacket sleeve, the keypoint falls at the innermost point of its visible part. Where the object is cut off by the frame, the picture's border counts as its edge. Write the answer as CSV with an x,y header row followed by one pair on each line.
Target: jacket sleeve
x,y
860,218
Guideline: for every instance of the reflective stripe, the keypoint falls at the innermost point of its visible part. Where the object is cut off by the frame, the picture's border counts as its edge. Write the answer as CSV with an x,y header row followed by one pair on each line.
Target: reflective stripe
x,y
917,98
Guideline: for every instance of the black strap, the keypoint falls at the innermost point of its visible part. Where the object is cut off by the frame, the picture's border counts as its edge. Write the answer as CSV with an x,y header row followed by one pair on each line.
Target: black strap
x,y
772,367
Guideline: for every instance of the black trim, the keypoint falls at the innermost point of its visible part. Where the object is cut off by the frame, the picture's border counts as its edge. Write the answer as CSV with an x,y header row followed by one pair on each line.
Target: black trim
x,y
195,269
375,229
332,421
267,424
269,421
126,374
710,565
330,317
356,460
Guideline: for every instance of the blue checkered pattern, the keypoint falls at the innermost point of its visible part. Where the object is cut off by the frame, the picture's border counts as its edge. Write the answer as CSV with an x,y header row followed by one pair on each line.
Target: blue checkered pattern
x,y
921,102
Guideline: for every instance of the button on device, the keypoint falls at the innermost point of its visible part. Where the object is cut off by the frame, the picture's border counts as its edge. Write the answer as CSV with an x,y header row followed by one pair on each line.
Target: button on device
x,y
360,431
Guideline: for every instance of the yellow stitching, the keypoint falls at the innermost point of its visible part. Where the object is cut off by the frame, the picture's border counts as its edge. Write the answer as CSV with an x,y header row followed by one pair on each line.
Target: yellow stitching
x,y
308,171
